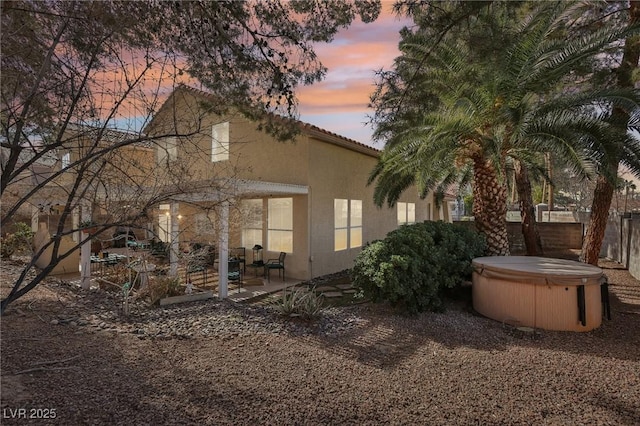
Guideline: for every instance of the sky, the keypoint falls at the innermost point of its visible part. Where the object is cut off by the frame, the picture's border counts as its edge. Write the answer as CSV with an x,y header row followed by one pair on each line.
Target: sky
x,y
339,102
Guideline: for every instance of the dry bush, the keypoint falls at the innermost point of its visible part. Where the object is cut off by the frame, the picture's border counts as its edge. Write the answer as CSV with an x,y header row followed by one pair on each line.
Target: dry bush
x,y
163,286
118,274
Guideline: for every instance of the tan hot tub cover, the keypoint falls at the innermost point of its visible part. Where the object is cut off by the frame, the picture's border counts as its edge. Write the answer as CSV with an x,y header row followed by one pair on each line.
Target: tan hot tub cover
x,y
538,270
539,292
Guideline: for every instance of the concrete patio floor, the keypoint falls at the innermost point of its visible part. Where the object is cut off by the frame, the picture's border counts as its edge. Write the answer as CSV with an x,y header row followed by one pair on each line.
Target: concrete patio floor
x,y
254,286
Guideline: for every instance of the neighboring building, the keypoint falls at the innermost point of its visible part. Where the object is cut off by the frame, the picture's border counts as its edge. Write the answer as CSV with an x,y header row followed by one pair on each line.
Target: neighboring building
x,y
43,202
308,198
57,187
116,178
111,180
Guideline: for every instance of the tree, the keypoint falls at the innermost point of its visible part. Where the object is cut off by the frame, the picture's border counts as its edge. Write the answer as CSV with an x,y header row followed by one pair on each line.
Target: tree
x,y
73,70
622,118
460,104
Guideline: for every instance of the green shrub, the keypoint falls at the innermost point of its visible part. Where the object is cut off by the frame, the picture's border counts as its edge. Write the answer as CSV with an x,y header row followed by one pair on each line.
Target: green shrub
x,y
19,241
415,264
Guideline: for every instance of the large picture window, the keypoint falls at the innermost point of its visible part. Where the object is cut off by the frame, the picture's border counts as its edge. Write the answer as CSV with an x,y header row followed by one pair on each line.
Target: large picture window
x,y
406,213
220,142
280,225
347,215
252,223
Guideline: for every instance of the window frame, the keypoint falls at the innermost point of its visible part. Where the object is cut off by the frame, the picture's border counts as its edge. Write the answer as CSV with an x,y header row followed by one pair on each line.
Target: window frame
x,y
167,150
253,224
220,142
65,160
403,212
274,229
348,224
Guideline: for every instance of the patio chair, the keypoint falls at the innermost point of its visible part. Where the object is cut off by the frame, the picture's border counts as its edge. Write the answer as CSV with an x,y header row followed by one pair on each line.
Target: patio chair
x,y
239,254
275,264
234,272
195,268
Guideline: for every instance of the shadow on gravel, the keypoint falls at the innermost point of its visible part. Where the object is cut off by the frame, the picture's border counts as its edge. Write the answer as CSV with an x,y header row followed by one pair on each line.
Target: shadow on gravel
x,y
387,340
626,411
93,376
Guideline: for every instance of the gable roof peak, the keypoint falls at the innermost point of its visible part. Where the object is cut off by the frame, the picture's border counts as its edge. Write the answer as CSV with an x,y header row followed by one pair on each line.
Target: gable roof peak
x,y
306,128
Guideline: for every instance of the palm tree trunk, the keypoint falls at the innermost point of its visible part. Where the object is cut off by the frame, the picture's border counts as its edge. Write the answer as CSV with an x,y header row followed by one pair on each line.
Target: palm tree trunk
x,y
490,206
597,221
530,231
603,193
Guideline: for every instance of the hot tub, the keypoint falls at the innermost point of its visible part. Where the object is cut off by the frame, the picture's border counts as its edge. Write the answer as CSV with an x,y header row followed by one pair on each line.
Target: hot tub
x,y
538,292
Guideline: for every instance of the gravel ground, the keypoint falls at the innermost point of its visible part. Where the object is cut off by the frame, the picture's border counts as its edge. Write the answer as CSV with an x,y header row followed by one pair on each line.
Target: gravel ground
x,y
69,354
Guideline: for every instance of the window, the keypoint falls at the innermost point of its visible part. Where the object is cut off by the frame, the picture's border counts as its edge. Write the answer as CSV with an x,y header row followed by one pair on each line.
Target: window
x,y
220,142
167,150
355,225
280,225
252,226
406,213
347,215
340,217
66,160
164,223
411,213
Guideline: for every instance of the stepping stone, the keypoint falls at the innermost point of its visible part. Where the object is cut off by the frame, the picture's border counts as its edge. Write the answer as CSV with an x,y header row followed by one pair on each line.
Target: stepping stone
x,y
350,291
344,286
332,294
325,288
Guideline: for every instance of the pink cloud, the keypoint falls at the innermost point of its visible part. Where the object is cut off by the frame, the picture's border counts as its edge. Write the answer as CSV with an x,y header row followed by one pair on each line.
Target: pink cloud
x,y
352,59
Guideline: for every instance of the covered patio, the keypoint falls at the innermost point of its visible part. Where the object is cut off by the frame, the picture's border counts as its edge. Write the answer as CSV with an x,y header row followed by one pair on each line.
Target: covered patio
x,y
224,194
214,274
247,289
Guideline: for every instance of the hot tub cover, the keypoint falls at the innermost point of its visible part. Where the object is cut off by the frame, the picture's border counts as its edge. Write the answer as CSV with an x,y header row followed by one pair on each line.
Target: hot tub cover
x,y
538,270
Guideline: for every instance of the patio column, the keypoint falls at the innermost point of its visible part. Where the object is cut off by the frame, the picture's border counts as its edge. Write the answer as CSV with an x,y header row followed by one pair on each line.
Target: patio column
x,y
223,261
35,218
174,247
85,252
75,223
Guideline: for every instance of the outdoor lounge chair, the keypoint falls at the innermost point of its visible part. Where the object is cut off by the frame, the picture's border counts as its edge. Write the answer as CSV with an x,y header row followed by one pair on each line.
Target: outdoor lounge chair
x,y
275,264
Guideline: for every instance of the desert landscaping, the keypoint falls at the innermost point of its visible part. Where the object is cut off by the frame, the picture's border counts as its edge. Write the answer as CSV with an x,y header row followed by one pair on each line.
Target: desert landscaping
x,y
70,357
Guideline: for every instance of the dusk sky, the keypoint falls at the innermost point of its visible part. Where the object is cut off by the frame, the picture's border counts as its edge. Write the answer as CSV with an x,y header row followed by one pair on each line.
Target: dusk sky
x,y
339,102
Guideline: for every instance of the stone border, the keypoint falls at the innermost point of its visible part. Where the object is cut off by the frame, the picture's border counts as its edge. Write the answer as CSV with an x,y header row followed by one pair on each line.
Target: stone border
x,y
208,294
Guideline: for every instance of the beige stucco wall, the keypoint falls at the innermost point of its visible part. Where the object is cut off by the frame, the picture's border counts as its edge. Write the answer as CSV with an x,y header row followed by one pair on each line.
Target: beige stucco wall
x,y
337,172
70,264
329,166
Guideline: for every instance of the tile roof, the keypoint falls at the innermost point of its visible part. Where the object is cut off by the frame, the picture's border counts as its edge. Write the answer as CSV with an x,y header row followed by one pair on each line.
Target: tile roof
x,y
307,128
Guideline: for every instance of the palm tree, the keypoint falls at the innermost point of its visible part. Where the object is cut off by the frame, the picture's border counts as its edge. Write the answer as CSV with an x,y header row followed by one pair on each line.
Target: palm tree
x,y
487,109
625,150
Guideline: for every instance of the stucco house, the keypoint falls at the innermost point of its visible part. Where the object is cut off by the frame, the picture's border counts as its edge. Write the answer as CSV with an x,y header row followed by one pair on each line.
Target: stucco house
x,y
308,198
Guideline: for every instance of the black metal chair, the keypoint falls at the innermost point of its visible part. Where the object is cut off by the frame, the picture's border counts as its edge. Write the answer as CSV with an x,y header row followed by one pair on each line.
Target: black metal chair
x,y
234,272
275,264
239,254
195,270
